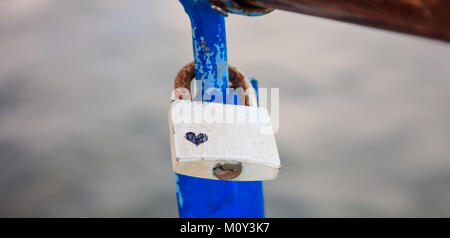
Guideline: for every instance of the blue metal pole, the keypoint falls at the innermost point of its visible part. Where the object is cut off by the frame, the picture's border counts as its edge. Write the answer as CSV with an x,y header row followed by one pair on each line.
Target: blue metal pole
x,y
205,198
209,45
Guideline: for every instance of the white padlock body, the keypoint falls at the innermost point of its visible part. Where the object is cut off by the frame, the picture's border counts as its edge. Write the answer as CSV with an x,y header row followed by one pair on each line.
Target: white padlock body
x,y
244,135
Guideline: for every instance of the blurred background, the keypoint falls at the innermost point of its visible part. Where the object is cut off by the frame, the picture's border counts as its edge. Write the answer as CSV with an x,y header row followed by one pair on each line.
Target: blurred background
x,y
84,94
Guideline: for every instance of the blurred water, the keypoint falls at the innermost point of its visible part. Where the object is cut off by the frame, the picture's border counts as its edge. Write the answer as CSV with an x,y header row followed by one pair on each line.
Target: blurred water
x,y
84,93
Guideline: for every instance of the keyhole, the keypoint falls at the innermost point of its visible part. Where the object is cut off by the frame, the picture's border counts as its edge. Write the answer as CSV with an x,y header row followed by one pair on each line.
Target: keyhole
x,y
227,170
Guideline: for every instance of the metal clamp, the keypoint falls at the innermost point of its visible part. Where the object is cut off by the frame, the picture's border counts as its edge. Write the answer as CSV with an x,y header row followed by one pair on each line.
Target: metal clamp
x,y
241,7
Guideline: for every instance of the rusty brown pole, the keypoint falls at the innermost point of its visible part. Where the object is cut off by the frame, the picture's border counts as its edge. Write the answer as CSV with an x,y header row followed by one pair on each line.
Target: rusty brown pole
x,y
426,18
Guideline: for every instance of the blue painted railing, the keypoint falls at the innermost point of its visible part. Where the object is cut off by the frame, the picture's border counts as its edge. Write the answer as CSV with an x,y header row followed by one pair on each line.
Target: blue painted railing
x,y
205,198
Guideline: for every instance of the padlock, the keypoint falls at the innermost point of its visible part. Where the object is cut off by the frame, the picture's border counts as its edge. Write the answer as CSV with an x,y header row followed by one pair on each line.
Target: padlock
x,y
221,141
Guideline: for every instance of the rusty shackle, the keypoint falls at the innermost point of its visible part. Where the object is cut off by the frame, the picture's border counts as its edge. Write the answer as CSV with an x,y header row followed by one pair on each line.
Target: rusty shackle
x,y
182,85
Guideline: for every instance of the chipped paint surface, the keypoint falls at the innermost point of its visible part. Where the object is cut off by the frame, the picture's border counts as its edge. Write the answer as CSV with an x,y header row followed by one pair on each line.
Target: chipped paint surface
x,y
209,45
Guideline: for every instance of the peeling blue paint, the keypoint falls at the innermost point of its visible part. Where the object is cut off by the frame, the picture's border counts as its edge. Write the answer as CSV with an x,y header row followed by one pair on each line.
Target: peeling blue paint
x,y
209,44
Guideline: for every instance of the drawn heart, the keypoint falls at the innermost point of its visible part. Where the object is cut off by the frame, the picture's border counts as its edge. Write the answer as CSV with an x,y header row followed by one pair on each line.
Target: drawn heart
x,y
196,139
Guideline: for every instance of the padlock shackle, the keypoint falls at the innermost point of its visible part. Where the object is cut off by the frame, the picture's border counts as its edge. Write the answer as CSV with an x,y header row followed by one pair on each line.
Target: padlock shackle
x,y
182,84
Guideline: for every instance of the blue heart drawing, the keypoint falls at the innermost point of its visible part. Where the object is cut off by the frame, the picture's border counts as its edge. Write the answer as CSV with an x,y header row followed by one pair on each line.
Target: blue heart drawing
x,y
196,139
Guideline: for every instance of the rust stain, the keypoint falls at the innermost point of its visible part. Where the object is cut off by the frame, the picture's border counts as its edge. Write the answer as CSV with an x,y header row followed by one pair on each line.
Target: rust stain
x,y
415,3
203,45
182,85
427,18
237,80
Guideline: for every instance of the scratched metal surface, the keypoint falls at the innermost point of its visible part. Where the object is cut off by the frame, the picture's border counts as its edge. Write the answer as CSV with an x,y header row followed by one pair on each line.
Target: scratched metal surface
x,y
84,91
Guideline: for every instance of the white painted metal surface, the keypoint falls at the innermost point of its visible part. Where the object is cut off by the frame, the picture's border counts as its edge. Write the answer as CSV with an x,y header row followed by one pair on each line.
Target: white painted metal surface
x,y
223,134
